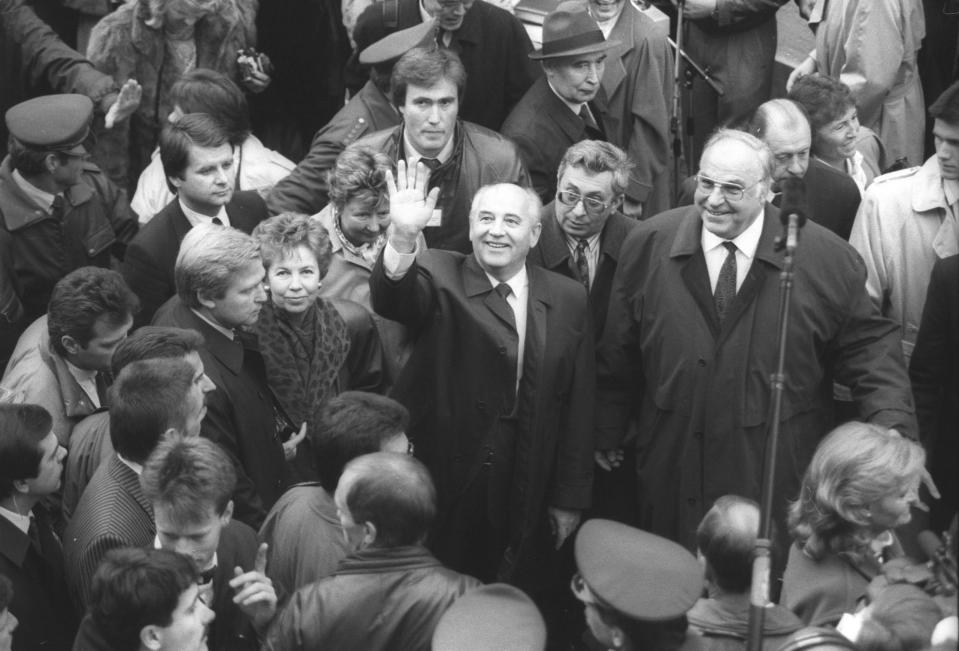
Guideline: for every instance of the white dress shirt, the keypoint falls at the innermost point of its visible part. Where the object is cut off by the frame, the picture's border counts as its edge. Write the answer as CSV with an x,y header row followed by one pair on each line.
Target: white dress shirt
x,y
21,522
196,218
746,244
592,253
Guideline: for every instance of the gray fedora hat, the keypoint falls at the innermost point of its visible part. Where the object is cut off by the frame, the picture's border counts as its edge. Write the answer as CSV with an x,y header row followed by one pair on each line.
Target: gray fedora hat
x,y
569,30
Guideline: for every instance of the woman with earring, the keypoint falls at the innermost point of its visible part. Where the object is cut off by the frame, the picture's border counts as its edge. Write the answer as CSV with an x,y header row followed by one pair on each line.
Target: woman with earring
x,y
314,348
860,485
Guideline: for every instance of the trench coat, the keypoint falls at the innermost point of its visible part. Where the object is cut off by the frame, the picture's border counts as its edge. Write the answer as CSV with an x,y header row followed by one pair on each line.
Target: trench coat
x,y
871,46
702,391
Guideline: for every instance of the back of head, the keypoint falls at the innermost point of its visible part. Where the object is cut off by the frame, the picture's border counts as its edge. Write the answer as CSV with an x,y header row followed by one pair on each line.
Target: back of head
x,y
726,538
350,425
148,398
781,115
491,618
191,130
210,257
822,98
135,588
189,476
425,67
81,298
394,493
155,342
901,618
596,157
855,465
22,428
203,90
817,638
946,106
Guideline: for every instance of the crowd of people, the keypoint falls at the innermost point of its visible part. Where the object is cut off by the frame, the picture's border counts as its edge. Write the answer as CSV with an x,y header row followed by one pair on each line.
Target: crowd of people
x,y
413,335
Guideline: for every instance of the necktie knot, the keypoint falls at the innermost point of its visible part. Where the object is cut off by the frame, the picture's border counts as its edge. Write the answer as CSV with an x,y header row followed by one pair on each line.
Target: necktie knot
x,y
432,163
217,221
730,246
57,206
504,290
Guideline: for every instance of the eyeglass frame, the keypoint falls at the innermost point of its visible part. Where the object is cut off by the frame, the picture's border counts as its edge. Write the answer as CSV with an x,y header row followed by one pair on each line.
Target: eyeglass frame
x,y
724,188
604,206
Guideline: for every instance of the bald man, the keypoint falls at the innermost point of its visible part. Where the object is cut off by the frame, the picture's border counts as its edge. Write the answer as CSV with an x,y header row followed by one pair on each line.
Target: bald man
x,y
831,194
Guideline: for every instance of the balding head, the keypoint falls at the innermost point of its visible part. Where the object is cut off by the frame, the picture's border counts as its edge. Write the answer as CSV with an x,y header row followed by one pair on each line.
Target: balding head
x,y
782,125
726,538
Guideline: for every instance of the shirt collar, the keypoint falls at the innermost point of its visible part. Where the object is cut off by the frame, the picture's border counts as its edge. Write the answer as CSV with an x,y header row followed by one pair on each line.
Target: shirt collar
x,y
132,465
950,188
747,242
575,108
592,242
226,332
196,218
518,283
40,197
413,152
21,522
81,375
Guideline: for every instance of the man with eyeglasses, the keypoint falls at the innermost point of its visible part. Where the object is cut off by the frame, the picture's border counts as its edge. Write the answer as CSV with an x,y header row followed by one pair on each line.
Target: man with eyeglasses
x,y
58,212
690,345
491,42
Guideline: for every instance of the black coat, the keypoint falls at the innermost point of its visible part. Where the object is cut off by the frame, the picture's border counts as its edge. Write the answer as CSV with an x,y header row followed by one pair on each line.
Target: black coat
x,y
239,414
491,43
151,256
552,252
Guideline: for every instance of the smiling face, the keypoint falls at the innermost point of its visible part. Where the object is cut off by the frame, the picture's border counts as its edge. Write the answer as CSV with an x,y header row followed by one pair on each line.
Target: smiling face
x,y
836,140
502,230
207,182
578,220
895,509
576,79
429,116
734,163
294,280
241,303
362,221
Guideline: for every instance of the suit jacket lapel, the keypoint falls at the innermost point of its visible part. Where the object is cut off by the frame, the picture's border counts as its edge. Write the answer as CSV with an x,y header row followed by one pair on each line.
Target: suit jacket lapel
x,y
476,283
552,243
688,249
128,481
179,223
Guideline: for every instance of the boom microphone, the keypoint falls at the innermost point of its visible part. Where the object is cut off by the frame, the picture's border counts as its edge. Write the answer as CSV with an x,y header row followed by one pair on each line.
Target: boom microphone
x,y
792,210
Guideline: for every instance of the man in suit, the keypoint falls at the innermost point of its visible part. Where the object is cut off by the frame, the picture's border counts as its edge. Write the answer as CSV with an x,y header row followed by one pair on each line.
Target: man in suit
x,y
198,162
690,344
491,42
219,278
190,481
559,109
150,398
31,459
507,350
427,88
583,233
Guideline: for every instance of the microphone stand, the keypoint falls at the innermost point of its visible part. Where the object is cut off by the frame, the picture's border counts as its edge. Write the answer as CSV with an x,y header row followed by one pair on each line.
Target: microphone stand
x,y
759,595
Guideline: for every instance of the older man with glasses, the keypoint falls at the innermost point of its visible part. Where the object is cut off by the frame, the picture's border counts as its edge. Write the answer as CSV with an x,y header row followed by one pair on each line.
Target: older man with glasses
x,y
690,344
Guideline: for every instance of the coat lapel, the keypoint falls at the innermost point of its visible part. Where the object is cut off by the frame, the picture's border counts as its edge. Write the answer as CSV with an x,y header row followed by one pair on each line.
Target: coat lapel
x,y
688,249
476,284
128,481
615,72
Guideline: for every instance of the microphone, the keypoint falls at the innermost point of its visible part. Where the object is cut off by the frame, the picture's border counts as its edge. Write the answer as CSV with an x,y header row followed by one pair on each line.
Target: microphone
x,y
792,210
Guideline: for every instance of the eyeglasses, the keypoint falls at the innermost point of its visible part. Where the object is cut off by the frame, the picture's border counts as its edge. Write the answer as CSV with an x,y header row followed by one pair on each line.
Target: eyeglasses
x,y
731,191
591,205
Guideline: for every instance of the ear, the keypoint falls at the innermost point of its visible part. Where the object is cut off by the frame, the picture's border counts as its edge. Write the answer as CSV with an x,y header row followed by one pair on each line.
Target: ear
x,y
370,536
71,345
21,486
618,202
617,636
535,233
151,637
205,301
175,181
50,163
227,514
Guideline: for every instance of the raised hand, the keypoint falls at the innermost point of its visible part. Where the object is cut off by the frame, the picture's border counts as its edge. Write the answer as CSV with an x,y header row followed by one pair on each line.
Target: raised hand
x,y
255,594
290,445
128,100
411,206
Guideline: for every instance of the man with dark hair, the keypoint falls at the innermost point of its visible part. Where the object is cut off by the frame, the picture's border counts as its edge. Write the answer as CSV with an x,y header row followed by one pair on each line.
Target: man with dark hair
x,y
302,529
491,42
726,539
150,398
90,443
562,107
62,361
58,212
389,592
198,161
219,280
427,88
31,461
190,482
908,220
145,600
306,189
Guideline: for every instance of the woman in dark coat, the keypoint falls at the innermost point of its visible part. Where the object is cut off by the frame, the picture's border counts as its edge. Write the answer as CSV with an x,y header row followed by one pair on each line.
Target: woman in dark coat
x,y
314,348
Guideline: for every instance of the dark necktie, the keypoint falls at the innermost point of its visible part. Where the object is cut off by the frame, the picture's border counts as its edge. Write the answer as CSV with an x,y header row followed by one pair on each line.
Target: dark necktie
x,y
57,208
218,221
504,290
431,163
726,286
592,129
582,262
33,532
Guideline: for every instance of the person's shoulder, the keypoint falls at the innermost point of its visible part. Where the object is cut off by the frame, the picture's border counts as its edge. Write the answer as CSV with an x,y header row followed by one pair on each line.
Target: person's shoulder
x,y
894,179
492,147
379,139
357,318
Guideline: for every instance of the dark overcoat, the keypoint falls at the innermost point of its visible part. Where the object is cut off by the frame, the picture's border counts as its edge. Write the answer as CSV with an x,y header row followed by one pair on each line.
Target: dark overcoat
x,y
701,390
459,381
